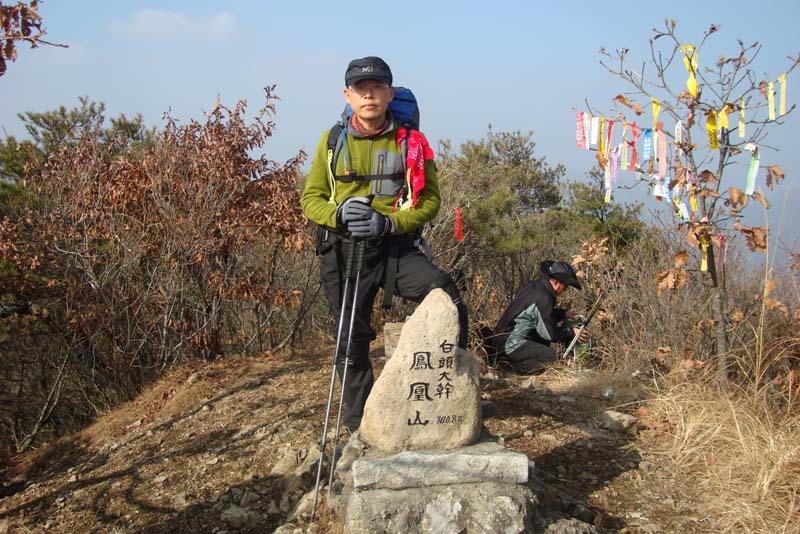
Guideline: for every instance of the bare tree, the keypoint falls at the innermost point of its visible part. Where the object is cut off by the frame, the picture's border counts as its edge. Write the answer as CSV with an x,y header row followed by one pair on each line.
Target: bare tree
x,y
705,144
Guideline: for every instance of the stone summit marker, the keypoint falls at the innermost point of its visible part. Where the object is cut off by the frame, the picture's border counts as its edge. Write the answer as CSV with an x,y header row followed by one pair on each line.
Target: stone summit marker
x,y
428,394
416,464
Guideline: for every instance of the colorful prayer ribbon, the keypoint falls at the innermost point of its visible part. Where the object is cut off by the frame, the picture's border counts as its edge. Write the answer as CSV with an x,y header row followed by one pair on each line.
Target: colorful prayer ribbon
x,y
691,62
711,130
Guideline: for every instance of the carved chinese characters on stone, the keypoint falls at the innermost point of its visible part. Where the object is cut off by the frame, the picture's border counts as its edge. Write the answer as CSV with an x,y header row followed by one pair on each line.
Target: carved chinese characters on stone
x,y
427,396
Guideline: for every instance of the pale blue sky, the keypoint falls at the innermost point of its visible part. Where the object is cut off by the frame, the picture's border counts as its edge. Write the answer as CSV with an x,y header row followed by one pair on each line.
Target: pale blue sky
x,y
517,65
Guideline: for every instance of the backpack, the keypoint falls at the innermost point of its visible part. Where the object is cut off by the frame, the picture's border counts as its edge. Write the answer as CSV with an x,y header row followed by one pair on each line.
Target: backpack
x,y
405,111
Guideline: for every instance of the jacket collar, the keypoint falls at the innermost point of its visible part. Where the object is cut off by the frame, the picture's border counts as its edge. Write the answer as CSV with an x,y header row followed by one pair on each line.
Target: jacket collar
x,y
349,130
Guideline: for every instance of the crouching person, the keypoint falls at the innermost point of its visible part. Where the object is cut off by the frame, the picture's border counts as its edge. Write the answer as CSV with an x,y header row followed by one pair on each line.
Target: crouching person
x,y
532,321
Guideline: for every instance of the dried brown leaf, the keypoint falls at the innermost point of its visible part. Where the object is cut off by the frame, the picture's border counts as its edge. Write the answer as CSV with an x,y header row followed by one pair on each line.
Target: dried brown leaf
x,y
681,258
625,102
772,304
761,199
736,198
774,175
762,88
671,279
707,176
756,237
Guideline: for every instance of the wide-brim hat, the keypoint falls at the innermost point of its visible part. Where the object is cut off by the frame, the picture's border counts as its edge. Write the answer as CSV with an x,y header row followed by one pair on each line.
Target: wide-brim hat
x,y
367,68
561,271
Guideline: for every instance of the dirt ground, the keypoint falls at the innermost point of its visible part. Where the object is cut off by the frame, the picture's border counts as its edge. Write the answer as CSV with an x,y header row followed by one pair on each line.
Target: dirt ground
x,y
176,458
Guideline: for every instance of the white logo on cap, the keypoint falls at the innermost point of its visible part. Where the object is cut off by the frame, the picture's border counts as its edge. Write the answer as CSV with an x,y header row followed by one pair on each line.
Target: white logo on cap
x,y
368,68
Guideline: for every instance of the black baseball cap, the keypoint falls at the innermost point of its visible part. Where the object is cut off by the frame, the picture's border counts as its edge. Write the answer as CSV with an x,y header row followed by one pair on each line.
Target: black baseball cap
x,y
367,68
561,271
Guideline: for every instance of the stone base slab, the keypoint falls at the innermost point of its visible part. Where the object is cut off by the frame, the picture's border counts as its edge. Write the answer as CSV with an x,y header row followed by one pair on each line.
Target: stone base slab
x,y
487,507
483,462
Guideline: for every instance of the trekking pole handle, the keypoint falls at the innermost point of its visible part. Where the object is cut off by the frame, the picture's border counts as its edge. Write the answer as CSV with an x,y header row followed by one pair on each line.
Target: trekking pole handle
x,y
584,323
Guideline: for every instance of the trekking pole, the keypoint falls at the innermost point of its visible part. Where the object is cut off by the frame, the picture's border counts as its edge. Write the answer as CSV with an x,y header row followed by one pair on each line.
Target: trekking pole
x,y
592,311
348,264
358,264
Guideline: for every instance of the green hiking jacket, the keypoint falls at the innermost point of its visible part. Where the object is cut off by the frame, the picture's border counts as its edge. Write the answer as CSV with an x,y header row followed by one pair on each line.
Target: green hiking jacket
x,y
368,156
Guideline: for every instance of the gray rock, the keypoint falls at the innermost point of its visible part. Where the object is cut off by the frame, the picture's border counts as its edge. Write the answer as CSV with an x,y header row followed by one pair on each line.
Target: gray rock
x,y
285,465
249,499
179,501
427,396
194,377
303,509
535,384
617,422
570,526
235,516
477,463
487,507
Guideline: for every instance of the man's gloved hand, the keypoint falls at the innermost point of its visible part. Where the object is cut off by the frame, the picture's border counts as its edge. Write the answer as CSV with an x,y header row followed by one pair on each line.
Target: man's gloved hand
x,y
376,225
353,209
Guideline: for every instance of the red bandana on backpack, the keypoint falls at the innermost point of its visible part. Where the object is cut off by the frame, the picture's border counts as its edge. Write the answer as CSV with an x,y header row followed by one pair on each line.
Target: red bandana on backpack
x,y
419,151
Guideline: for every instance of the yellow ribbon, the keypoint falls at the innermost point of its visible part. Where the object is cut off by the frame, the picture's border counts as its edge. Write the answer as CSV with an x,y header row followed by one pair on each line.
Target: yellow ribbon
x,y
602,142
656,111
693,201
704,255
771,100
741,119
782,79
690,60
722,117
711,129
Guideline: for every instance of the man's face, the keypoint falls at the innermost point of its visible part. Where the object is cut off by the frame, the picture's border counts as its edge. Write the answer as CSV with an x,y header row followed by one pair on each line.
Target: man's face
x,y
558,286
369,99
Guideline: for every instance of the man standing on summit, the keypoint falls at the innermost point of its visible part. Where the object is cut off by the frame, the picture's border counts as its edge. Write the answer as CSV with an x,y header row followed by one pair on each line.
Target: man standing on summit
x,y
358,190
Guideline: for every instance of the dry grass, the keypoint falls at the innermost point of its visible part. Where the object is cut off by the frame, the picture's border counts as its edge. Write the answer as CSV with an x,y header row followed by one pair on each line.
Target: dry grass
x,y
744,459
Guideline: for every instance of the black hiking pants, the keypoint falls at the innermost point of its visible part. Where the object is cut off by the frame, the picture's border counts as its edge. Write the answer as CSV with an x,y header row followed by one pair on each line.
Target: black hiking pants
x,y
530,357
415,276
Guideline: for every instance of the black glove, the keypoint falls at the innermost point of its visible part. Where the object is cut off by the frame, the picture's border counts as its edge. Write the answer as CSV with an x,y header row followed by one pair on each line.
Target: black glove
x,y
376,225
353,209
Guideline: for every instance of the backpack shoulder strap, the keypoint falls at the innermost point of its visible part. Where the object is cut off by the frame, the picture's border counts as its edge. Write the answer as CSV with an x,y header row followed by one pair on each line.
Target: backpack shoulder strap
x,y
334,147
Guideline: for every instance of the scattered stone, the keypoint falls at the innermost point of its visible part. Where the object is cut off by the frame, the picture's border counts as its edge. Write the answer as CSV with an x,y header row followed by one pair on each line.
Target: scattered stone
x,y
179,501
193,378
235,516
566,399
528,433
236,493
272,508
249,499
617,422
428,395
285,506
570,526
73,478
535,384
161,478
212,461
303,509
285,465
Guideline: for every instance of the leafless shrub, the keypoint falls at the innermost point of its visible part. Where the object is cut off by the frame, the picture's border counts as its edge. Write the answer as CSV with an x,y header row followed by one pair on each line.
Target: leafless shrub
x,y
137,261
